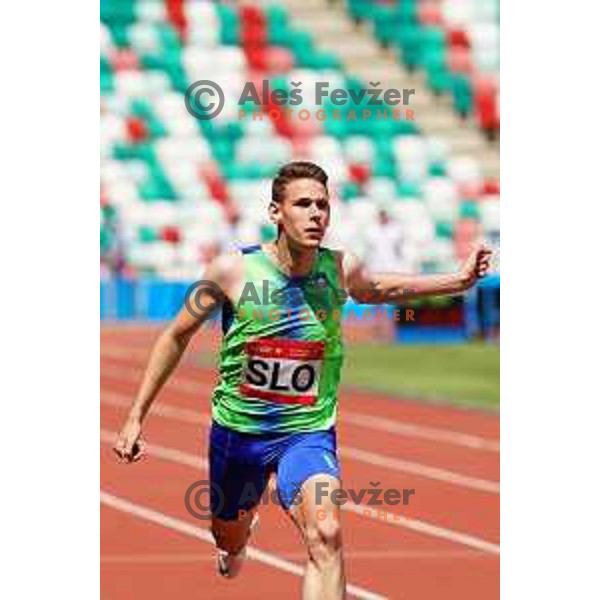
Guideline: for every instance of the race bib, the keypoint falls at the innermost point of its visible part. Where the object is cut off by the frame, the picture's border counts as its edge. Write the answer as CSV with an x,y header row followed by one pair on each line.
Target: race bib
x,y
283,371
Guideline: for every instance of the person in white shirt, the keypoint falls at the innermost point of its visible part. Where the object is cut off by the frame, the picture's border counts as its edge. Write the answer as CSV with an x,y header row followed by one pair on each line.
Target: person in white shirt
x,y
384,243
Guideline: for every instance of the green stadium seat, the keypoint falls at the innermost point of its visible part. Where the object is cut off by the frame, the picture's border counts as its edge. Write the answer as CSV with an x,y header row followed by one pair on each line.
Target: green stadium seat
x,y
469,210
444,230
147,234
462,95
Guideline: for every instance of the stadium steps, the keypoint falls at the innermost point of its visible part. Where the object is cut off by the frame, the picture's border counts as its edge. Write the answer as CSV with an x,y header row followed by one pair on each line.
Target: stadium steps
x,y
362,56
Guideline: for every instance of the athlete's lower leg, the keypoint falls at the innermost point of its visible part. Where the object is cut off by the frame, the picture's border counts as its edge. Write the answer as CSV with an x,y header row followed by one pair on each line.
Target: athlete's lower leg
x,y
319,522
231,537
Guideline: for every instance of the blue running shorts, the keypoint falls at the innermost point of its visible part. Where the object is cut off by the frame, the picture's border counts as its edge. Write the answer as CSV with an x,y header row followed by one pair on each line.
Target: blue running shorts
x,y
240,466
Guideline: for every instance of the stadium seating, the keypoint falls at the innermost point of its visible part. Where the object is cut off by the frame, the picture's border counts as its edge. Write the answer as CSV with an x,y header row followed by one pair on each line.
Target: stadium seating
x,y
455,43
175,189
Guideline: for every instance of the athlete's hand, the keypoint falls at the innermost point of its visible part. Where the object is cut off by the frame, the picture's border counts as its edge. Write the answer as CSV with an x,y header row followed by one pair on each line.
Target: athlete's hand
x,y
476,266
129,447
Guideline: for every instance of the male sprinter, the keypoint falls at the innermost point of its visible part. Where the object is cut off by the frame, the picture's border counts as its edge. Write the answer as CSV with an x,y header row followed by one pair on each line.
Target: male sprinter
x,y
274,407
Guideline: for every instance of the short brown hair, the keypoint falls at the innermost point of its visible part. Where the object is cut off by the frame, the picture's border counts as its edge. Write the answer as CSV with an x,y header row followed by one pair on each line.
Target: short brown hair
x,y
296,170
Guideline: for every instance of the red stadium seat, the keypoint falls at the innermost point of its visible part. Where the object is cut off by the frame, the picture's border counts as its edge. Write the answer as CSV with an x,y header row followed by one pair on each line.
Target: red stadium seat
x,y
278,60
491,188
485,105
359,173
458,37
124,59
253,35
176,15
252,15
483,84
282,125
429,13
171,234
217,188
216,185
257,57
459,60
136,130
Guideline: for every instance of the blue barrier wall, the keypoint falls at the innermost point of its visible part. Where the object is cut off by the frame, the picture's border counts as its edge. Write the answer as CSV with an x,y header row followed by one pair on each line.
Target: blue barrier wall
x,y
152,299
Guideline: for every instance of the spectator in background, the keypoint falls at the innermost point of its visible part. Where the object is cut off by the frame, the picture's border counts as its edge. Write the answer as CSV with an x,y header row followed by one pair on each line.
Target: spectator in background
x,y
112,246
383,244
233,232
383,253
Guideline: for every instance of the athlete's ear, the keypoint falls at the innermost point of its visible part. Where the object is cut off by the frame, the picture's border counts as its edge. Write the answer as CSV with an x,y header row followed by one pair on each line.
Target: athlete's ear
x,y
274,212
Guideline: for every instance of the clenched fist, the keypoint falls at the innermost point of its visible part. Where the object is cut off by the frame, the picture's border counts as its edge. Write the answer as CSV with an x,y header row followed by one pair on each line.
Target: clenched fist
x,y
129,447
476,266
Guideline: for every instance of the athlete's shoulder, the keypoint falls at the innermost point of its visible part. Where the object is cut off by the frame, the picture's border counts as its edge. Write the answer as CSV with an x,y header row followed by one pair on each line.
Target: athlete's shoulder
x,y
226,260
226,269
233,259
350,266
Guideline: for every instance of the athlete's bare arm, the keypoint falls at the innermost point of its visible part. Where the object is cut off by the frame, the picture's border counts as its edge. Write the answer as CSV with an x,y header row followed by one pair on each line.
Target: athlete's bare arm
x,y
170,346
378,288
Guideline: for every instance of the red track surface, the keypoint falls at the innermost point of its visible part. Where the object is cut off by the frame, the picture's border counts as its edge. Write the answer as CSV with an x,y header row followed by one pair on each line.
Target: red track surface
x,y
449,547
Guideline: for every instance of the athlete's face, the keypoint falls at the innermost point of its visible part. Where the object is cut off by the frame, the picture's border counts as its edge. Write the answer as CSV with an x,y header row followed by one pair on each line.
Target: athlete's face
x,y
304,212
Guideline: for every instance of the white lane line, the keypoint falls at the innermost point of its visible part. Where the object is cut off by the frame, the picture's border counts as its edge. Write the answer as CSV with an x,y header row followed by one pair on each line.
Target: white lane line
x,y
428,528
414,468
160,518
208,556
160,408
370,458
390,518
430,433
400,428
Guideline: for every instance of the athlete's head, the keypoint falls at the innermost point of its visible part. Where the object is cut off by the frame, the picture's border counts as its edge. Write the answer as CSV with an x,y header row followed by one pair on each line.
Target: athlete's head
x,y
300,203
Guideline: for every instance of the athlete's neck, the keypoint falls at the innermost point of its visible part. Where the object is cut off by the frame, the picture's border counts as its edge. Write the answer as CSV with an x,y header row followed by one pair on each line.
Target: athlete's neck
x,y
293,260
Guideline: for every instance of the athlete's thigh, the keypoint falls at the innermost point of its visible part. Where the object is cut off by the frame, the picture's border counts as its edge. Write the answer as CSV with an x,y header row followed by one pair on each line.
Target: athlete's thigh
x,y
308,473
238,474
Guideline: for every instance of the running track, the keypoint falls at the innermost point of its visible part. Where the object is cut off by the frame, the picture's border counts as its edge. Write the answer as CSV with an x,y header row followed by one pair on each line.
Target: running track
x,y
445,544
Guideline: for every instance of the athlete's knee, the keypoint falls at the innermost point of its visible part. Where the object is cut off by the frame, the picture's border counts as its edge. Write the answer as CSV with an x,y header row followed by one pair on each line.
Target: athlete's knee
x,y
324,539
